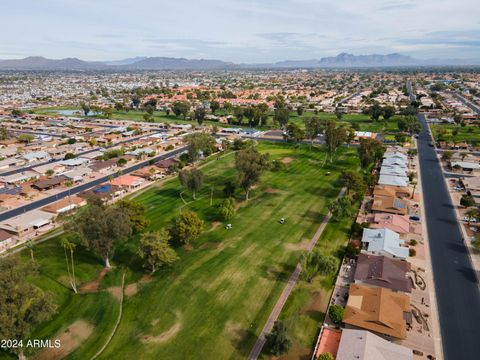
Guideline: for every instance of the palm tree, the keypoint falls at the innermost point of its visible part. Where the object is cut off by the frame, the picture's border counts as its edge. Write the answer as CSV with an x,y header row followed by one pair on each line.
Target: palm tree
x,y
30,245
70,246
471,213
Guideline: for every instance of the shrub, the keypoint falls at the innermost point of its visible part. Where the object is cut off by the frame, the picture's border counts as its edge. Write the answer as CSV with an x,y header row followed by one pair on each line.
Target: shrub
x,y
413,242
412,252
336,312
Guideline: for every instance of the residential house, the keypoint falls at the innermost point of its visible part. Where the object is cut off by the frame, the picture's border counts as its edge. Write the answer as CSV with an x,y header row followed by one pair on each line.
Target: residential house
x,y
65,205
393,180
6,240
27,223
379,310
19,178
36,156
467,166
104,166
129,182
398,223
383,271
384,242
389,204
364,345
49,183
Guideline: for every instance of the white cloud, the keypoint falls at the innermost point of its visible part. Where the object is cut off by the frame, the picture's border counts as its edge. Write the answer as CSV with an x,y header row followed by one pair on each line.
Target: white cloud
x,y
238,30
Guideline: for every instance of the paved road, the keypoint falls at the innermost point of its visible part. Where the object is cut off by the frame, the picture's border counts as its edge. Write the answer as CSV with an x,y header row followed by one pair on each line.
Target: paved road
x,y
48,200
277,309
457,291
467,102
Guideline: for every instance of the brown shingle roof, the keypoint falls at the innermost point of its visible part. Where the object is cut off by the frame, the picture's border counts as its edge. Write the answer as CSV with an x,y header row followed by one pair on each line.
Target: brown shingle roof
x,y
383,272
377,309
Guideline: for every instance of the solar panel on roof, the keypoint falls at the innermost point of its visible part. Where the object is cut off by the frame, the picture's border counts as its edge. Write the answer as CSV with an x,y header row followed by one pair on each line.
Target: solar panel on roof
x,y
398,204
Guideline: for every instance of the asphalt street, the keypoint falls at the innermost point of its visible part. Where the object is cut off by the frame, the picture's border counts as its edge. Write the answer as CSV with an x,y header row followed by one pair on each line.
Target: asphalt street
x,y
457,290
75,190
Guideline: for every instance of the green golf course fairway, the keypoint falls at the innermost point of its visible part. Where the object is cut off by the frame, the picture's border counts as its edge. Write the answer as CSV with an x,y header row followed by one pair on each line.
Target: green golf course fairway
x,y
214,301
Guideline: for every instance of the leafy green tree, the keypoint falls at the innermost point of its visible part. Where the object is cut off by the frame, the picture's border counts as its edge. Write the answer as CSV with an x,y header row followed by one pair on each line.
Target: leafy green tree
x,y
334,137
277,342
250,165
156,251
214,106
375,111
23,306
336,313
281,116
467,200
85,108
370,151
238,112
313,127
352,181
229,188
199,143
135,212
187,226
447,155
26,138
226,210
409,124
69,156
388,112
192,180
200,113
101,228
4,135
294,133
180,108
135,101
325,356
340,208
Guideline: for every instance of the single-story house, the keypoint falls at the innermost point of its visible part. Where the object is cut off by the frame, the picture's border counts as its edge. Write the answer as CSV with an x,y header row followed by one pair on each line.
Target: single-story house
x,y
36,156
6,240
78,174
64,205
18,178
393,180
466,166
27,223
364,345
128,181
384,242
104,166
383,271
49,183
379,310
389,204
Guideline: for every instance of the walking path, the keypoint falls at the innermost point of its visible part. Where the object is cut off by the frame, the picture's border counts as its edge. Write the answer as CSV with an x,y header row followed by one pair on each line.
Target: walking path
x,y
257,348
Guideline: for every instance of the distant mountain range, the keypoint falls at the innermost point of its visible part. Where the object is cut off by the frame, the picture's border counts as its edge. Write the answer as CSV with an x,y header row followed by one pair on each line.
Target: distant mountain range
x,y
342,60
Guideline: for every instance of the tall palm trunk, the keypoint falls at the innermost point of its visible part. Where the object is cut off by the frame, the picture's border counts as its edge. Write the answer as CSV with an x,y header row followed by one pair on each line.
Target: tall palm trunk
x,y
74,282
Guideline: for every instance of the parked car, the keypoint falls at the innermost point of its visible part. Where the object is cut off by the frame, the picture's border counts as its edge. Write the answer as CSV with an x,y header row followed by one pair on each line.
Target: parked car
x,y
472,220
415,217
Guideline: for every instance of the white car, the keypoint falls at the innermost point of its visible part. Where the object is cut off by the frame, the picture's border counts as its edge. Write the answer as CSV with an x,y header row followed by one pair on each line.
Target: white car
x,y
467,219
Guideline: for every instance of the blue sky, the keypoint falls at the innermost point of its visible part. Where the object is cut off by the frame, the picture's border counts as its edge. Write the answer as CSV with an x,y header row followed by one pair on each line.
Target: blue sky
x,y
248,31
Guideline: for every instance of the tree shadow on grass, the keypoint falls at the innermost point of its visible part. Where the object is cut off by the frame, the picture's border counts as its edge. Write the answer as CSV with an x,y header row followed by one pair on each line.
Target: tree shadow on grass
x,y
279,273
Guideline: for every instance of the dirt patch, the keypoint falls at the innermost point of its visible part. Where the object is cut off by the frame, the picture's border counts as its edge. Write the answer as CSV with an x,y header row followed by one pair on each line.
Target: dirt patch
x,y
146,279
187,247
318,303
302,245
287,160
166,335
271,190
209,245
131,289
116,292
70,338
94,286
215,225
